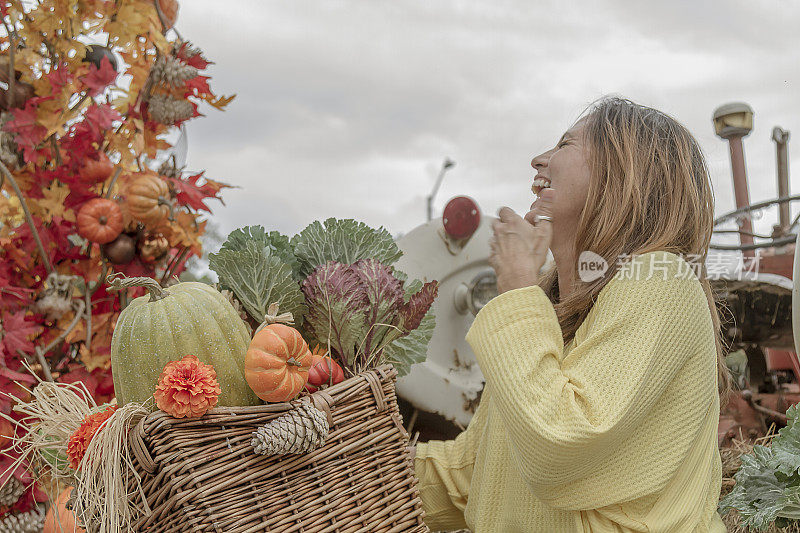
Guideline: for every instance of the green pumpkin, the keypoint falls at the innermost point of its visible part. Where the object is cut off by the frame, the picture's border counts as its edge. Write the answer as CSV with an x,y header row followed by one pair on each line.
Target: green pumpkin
x,y
187,318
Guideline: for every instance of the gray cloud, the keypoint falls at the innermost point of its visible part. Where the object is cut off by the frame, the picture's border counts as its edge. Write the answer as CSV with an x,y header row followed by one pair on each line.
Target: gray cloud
x,y
347,108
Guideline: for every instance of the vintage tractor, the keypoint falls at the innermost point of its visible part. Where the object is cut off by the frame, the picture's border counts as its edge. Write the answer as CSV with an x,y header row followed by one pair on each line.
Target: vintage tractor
x,y
752,281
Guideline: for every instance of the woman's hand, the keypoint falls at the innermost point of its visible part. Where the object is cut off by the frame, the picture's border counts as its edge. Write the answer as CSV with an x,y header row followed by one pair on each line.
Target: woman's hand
x,y
519,246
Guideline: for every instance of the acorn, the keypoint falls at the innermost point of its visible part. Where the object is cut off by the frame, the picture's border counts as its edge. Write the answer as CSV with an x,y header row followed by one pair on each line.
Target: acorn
x,y
121,250
95,54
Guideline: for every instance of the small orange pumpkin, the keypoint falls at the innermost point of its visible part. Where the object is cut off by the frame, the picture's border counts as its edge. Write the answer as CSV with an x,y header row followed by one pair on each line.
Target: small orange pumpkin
x,y
96,170
100,220
148,199
64,521
277,363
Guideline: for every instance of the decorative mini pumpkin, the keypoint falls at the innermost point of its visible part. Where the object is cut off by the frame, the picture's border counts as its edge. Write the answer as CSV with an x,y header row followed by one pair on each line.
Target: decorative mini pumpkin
x,y
153,247
148,199
121,250
324,371
100,220
277,363
96,170
167,324
59,519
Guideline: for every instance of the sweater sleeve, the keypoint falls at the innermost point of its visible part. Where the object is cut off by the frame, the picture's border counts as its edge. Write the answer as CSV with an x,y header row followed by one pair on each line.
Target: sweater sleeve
x,y
444,471
565,416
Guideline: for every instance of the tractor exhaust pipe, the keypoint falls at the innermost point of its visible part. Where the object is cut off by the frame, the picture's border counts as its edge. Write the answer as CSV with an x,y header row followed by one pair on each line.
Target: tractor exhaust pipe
x,y
781,138
733,122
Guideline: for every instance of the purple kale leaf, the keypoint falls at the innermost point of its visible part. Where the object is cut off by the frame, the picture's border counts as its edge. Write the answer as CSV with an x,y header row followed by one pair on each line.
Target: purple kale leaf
x,y
338,305
385,294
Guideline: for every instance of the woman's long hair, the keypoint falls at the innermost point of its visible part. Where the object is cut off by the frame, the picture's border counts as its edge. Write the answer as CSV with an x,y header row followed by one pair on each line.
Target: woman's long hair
x,y
644,160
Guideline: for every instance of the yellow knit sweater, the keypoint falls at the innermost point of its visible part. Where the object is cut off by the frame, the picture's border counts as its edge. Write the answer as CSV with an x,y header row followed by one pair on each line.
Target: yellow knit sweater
x,y
615,432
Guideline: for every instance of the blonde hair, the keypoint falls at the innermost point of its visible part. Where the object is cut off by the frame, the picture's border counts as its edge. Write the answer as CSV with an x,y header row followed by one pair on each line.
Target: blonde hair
x,y
645,160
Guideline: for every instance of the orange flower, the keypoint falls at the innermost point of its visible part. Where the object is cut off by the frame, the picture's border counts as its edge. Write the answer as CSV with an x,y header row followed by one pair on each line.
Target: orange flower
x,y
79,441
187,388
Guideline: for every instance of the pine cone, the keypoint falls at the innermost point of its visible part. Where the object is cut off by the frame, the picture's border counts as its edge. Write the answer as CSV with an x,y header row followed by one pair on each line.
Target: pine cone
x,y
29,522
52,305
9,153
189,51
167,169
11,491
171,71
168,110
300,430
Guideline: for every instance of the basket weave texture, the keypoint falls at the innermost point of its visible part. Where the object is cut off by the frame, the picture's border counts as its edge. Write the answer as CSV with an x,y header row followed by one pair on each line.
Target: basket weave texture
x,y
201,474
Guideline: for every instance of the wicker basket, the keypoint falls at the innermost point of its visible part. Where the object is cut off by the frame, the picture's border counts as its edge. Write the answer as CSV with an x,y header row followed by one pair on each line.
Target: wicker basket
x,y
201,474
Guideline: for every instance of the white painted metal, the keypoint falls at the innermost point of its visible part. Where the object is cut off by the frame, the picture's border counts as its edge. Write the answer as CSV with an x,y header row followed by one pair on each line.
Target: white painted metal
x,y
449,381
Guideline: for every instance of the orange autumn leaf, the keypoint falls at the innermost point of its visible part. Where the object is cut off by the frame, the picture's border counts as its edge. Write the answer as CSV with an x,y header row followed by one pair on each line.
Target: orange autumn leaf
x,y
100,323
95,358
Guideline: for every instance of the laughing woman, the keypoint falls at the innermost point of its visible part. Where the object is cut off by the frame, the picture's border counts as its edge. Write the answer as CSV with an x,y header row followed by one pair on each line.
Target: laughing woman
x,y
602,395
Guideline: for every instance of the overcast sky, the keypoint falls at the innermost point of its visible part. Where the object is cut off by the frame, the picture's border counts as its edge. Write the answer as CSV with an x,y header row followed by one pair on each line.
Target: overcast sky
x,y
348,108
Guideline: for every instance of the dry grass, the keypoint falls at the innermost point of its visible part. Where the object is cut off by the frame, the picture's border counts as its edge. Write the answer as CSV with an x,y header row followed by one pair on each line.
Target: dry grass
x,y
54,413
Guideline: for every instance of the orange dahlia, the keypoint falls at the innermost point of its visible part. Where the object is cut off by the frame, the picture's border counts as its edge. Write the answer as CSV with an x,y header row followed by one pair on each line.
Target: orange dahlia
x,y
187,388
79,441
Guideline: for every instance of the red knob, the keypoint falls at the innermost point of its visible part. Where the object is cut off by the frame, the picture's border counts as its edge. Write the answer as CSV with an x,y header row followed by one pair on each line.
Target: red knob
x,y
461,217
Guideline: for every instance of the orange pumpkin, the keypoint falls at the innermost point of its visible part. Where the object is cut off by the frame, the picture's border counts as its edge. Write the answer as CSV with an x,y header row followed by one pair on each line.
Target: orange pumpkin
x,y
100,220
277,363
169,8
64,521
96,171
148,199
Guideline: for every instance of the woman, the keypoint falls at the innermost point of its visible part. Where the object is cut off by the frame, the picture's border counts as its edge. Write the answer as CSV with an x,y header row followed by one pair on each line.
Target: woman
x,y
602,395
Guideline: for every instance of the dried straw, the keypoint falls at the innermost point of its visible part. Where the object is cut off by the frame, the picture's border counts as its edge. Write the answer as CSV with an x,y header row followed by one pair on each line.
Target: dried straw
x,y
55,412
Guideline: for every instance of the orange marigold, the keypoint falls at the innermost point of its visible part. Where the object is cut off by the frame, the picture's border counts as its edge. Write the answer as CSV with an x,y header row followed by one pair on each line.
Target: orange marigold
x,y
79,441
187,388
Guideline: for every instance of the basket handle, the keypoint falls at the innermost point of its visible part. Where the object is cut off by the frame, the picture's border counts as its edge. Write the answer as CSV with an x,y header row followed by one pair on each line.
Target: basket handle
x,y
139,449
323,401
377,390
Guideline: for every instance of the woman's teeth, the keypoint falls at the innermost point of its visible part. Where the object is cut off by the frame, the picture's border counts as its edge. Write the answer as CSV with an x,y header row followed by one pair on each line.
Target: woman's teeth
x,y
539,184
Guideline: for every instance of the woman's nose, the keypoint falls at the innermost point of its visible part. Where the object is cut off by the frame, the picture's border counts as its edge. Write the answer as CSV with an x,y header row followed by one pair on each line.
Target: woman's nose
x,y
540,161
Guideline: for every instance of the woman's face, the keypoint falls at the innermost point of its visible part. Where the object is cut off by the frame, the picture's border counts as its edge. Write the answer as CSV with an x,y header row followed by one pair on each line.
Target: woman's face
x,y
565,168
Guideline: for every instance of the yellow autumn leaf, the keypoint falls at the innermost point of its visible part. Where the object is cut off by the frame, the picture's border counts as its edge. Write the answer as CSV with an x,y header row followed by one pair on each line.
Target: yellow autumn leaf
x,y
94,359
221,101
11,213
53,203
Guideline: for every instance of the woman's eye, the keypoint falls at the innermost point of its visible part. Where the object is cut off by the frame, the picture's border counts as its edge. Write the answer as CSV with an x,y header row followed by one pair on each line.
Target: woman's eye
x,y
561,144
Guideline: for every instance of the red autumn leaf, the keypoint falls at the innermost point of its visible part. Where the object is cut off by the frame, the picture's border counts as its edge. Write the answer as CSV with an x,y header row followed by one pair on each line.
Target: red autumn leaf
x,y
101,117
198,86
28,133
18,332
10,294
99,78
59,77
191,194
